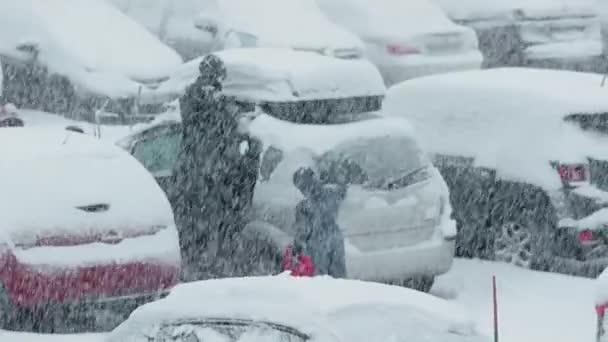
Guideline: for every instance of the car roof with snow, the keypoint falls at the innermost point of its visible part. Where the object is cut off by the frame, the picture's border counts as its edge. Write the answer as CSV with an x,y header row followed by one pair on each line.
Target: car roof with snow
x,y
504,118
310,305
289,136
73,38
281,75
53,172
516,9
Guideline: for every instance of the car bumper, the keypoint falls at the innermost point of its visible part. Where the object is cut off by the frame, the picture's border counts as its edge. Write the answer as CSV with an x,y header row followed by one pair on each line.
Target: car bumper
x,y
396,70
578,56
37,276
430,258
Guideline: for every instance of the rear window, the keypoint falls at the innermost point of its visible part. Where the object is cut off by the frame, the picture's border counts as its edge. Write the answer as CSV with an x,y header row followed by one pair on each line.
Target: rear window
x,y
373,162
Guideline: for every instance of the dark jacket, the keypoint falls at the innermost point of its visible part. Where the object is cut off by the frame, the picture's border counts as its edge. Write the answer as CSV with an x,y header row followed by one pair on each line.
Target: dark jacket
x,y
316,233
213,180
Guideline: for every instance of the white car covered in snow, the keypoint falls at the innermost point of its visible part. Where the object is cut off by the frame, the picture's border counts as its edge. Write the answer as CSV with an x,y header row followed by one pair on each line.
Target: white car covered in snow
x,y
82,223
548,33
525,153
77,57
407,39
283,308
396,219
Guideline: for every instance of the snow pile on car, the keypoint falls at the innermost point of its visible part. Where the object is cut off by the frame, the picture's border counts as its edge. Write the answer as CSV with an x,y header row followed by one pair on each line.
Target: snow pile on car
x,y
508,119
89,41
308,304
48,173
516,9
282,75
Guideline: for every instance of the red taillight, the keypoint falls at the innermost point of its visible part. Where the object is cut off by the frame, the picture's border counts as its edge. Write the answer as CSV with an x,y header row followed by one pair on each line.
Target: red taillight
x,y
401,50
573,173
586,237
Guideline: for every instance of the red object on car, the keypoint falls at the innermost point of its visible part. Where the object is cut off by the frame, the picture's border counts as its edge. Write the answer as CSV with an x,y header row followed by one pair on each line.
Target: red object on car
x,y
303,265
574,173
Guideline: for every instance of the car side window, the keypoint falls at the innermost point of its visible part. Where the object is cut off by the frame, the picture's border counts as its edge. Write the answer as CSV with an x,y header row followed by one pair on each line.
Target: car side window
x,y
270,160
158,153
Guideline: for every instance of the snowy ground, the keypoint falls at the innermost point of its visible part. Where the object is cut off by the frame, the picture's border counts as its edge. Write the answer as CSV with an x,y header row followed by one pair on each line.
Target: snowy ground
x,y
533,306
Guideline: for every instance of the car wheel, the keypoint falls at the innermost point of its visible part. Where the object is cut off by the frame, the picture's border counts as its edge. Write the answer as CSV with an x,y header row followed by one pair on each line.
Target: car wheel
x,y
7,314
513,245
523,222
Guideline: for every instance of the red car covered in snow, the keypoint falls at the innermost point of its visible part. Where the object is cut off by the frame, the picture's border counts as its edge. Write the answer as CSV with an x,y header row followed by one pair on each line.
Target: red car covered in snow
x,y
81,221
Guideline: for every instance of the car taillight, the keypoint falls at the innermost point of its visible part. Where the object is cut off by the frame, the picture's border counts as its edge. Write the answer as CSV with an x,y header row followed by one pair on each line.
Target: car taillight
x,y
573,173
586,237
400,50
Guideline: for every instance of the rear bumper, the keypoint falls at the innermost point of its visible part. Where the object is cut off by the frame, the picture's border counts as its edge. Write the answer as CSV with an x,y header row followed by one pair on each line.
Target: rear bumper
x,y
430,258
578,56
134,267
396,70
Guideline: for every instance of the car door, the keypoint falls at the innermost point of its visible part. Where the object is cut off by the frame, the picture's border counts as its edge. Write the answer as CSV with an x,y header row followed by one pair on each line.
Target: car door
x,y
157,150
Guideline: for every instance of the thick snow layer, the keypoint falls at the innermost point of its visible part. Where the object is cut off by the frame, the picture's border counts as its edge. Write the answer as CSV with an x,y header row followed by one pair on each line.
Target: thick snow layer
x,y
269,74
50,172
89,41
508,119
310,304
290,136
298,24
39,119
532,306
596,221
483,9
162,247
390,19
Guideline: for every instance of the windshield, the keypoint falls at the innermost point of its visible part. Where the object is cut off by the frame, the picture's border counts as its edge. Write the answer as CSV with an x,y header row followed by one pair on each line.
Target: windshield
x,y
373,162
229,331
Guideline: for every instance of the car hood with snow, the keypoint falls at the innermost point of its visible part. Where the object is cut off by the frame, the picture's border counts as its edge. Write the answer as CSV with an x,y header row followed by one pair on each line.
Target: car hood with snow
x,y
73,38
272,74
505,118
324,308
55,183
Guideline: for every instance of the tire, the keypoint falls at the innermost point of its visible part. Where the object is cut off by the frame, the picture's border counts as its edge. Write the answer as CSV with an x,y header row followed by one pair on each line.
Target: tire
x,y
422,284
523,224
8,315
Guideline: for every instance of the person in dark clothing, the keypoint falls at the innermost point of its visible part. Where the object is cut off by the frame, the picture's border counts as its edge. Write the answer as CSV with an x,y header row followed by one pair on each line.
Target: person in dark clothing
x,y
214,176
316,233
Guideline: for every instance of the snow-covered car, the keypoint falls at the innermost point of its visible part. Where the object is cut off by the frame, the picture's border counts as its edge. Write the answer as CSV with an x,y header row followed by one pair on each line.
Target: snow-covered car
x,y
197,27
82,223
73,62
522,155
297,24
407,39
541,33
284,308
396,222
